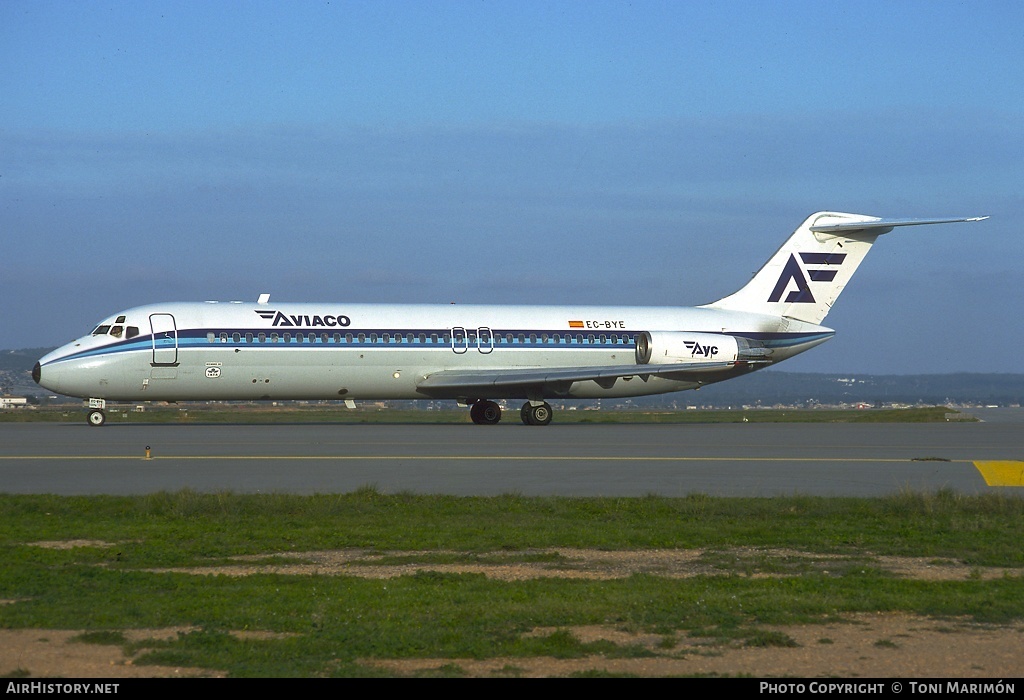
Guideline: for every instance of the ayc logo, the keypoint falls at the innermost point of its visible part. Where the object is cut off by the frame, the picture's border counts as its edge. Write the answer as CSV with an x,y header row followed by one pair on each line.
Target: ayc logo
x,y
793,273
698,350
279,319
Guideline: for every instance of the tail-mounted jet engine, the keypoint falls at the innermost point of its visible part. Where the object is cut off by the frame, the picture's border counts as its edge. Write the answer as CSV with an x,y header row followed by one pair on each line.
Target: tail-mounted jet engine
x,y
674,347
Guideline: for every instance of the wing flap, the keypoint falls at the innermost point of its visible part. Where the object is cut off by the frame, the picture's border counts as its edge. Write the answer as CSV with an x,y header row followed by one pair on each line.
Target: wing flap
x,y
481,379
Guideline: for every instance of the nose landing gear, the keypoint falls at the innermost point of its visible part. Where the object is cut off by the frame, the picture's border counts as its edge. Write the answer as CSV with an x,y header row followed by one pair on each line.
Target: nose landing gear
x,y
96,415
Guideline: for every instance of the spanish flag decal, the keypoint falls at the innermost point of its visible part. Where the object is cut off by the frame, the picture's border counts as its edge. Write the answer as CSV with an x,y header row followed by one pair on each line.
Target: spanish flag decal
x,y
575,324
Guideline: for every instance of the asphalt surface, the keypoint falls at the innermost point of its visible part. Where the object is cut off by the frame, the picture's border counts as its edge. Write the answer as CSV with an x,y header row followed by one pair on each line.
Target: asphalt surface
x,y
566,460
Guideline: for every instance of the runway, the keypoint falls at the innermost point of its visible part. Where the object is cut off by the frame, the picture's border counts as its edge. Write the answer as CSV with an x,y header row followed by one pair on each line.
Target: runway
x,y
858,460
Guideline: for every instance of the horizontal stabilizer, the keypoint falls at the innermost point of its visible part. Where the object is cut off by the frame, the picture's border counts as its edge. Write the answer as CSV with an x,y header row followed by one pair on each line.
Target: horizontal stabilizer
x,y
887,224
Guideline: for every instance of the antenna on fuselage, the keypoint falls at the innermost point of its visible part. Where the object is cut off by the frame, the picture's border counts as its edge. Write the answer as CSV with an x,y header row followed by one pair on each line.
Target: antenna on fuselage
x,y
263,299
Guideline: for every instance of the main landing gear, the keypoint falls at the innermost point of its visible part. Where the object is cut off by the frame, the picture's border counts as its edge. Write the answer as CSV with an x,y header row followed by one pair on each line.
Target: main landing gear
x,y
489,413
539,414
485,413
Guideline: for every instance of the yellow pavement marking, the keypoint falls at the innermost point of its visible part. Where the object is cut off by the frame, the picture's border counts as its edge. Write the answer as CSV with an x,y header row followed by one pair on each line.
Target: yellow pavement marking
x,y
491,458
1002,473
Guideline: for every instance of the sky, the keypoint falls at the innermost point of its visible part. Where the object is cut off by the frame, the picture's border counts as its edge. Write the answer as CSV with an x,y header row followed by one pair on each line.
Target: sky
x,y
555,152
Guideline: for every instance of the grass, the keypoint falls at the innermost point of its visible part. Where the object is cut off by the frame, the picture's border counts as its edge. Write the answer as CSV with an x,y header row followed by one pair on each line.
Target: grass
x,y
322,625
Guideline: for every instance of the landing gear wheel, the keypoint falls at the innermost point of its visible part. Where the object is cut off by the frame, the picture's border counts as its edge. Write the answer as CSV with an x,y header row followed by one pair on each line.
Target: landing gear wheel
x,y
491,413
535,415
485,413
96,417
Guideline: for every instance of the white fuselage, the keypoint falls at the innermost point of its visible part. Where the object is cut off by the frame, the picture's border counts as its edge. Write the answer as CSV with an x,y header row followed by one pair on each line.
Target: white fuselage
x,y
245,351
474,354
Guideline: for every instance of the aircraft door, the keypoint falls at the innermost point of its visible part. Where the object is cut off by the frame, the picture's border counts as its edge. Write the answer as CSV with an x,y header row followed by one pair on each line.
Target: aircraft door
x,y
165,339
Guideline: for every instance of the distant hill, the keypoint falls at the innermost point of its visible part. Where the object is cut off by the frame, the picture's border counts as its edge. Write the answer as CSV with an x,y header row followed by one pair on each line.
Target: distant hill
x,y
23,359
770,386
766,388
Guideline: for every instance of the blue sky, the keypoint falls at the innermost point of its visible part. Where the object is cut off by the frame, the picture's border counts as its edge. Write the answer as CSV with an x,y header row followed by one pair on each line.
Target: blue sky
x,y
514,152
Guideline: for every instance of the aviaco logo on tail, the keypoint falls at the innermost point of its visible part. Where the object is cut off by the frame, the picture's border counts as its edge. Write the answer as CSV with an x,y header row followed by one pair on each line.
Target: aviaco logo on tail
x,y
279,319
794,273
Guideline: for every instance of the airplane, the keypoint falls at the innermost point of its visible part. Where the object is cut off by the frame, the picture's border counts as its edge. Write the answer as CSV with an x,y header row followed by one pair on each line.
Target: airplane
x,y
474,354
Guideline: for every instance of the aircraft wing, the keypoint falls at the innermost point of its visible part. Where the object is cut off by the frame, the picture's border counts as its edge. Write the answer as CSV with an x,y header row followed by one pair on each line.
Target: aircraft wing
x,y
558,379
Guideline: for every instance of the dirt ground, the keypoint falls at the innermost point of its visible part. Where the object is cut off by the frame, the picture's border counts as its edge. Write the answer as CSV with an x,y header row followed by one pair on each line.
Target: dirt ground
x,y
873,645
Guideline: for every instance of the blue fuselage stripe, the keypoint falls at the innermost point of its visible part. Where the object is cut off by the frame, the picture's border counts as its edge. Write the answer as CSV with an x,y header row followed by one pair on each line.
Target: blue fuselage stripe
x,y
402,339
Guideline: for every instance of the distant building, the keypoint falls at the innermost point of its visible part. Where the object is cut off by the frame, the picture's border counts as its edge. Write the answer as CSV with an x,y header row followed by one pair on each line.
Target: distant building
x,y
12,402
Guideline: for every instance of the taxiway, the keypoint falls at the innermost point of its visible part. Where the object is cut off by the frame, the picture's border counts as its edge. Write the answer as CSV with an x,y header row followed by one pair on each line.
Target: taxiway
x,y
562,460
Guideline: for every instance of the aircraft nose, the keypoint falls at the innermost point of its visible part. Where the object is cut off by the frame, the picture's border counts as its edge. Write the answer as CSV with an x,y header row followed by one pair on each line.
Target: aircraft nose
x,y
37,372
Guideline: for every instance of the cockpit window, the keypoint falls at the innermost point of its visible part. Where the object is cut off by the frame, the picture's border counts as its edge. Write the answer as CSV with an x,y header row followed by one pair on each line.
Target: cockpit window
x,y
116,330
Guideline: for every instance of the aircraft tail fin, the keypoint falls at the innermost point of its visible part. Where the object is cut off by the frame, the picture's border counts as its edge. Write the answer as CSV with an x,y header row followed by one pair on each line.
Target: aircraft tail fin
x,y
806,275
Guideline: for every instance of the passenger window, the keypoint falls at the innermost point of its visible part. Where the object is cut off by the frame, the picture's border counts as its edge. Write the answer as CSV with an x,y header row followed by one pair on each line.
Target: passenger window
x,y
248,337
210,337
236,337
